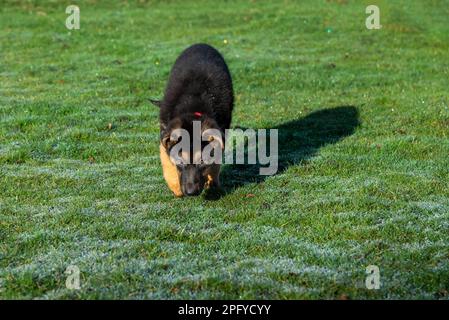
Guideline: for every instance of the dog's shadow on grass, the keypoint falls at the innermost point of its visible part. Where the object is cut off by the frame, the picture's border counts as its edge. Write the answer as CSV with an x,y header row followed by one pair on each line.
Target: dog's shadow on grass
x,y
298,140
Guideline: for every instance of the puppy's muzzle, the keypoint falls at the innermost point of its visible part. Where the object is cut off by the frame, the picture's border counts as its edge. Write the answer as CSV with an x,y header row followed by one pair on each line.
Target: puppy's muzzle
x,y
192,183
192,189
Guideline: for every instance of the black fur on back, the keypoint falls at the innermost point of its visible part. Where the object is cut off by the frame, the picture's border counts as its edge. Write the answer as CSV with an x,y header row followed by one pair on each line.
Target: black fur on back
x,y
199,82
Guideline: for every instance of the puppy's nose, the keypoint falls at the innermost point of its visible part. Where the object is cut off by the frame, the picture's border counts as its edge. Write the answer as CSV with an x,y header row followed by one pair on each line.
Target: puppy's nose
x,y
192,189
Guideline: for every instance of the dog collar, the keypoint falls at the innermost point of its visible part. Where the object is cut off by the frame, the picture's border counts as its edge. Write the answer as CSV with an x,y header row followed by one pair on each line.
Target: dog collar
x,y
198,114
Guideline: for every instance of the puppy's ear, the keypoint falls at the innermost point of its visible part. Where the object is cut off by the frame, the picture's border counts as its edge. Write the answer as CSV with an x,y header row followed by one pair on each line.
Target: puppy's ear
x,y
167,140
157,103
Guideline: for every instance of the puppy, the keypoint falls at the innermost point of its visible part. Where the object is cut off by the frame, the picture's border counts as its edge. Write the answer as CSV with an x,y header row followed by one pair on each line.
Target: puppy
x,y
199,92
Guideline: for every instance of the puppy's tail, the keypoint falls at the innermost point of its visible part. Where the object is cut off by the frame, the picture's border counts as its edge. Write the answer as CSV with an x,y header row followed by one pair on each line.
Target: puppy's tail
x,y
157,103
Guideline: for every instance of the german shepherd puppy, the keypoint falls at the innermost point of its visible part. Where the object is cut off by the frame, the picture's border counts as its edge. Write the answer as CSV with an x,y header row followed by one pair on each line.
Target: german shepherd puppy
x,y
199,89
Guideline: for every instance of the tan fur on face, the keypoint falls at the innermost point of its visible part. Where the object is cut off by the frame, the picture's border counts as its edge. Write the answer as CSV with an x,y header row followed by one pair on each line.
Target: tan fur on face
x,y
171,175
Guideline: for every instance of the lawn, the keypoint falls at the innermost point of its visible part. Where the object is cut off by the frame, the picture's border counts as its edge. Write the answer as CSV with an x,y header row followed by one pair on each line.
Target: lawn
x,y
363,119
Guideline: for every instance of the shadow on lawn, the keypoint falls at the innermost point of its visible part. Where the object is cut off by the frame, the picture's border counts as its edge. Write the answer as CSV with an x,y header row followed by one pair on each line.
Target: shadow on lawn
x,y
298,140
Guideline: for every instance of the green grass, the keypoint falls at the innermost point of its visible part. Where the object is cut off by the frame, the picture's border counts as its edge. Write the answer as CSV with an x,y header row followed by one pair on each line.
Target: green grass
x,y
364,126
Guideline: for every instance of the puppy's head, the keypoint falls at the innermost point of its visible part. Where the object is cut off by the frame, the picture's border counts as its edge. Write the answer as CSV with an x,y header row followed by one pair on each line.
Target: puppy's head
x,y
193,143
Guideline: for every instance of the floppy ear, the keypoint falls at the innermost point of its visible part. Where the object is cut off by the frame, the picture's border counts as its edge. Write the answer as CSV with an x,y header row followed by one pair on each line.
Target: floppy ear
x,y
157,103
165,140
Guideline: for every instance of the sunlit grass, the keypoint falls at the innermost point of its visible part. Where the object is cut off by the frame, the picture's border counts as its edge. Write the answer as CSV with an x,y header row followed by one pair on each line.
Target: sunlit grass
x,y
363,118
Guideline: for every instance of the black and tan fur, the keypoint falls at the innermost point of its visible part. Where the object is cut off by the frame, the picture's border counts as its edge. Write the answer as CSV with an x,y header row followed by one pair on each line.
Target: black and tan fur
x,y
199,83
